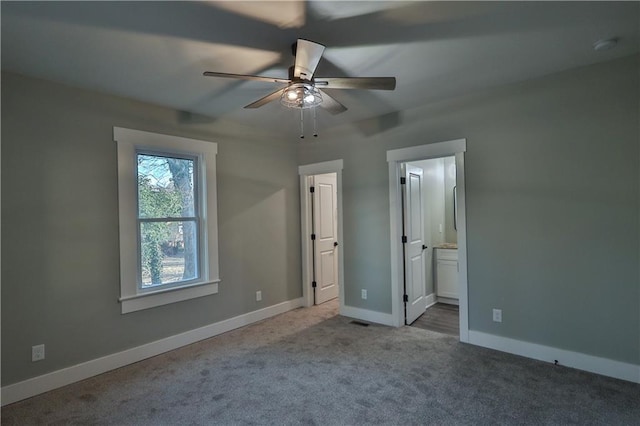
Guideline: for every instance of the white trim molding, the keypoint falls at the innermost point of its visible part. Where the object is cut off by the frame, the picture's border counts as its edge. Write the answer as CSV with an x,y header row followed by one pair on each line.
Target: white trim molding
x,y
129,143
431,300
332,166
580,361
37,385
424,152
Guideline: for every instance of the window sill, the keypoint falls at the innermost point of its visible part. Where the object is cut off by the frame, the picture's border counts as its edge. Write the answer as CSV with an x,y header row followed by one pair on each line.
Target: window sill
x,y
150,299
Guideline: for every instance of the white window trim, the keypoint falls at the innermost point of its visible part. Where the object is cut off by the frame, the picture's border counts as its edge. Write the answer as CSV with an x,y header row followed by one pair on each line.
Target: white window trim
x,y
128,141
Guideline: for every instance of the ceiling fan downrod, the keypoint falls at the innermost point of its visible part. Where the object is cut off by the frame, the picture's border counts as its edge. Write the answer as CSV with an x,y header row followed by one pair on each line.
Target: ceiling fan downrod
x,y
315,123
301,123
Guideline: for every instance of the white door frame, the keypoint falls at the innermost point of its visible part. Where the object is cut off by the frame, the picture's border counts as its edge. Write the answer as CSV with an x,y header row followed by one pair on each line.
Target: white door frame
x,y
395,157
305,171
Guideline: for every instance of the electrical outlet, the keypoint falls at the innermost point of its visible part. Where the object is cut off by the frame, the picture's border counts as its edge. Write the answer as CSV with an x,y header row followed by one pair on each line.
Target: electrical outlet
x,y
364,294
37,353
497,315
258,296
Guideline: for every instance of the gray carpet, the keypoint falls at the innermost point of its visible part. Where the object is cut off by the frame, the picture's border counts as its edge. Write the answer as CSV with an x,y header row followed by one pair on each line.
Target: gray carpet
x,y
310,366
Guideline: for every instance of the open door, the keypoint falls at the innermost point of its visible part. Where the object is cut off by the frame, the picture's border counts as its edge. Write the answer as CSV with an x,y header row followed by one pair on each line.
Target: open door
x,y
413,212
325,229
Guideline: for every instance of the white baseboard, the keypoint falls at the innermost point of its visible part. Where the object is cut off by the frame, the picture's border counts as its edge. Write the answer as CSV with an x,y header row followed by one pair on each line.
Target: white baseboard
x,y
594,364
367,315
75,373
431,300
448,301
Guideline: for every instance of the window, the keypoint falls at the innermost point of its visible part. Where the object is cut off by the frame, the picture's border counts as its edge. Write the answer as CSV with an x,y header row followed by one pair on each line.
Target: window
x,y
168,219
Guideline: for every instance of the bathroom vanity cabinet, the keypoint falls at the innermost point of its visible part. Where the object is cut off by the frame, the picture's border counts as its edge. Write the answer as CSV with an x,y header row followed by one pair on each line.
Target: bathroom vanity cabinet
x,y
447,273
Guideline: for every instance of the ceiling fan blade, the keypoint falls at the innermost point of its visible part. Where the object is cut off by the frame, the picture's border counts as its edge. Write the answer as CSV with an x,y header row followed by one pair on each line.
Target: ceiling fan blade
x,y
246,77
331,105
265,100
308,55
375,83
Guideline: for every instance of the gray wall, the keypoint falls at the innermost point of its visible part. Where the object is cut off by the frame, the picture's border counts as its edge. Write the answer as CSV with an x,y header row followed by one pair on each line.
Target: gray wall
x,y
60,276
552,175
434,198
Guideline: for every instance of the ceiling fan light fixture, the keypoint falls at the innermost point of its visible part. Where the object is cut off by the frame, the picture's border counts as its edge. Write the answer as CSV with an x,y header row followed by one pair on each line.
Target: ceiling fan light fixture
x,y
300,92
301,95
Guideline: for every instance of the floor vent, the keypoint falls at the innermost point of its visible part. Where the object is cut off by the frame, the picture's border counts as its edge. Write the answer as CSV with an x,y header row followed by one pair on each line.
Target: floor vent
x,y
364,324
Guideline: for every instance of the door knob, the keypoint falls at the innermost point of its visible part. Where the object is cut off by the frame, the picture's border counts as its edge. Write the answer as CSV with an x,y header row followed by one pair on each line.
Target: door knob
x,y
335,244
424,247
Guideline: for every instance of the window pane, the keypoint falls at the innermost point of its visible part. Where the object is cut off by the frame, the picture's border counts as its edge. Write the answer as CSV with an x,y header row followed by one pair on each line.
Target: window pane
x,y
165,187
169,252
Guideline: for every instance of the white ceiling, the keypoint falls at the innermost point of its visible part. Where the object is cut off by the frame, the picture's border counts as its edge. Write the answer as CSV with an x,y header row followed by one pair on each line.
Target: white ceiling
x,y
156,51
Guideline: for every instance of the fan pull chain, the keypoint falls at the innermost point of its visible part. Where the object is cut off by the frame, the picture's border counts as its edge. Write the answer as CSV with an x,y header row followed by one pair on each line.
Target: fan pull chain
x,y
301,123
315,127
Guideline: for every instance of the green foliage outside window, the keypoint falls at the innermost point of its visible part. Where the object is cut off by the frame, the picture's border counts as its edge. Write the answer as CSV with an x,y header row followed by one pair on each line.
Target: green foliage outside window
x,y
168,247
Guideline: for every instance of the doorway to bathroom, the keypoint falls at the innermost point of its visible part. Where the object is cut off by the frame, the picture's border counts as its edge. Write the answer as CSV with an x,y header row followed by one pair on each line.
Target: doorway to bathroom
x,y
428,237
431,250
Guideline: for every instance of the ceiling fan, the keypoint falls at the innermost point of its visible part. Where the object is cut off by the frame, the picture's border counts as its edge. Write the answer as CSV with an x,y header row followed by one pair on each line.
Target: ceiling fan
x,y
303,90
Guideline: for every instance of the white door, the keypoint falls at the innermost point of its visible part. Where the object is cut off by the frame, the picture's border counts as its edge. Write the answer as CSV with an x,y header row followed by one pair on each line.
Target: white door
x,y
325,225
416,301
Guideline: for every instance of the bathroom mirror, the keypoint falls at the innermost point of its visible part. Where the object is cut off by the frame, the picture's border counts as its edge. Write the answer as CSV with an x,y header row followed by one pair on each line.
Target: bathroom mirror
x,y
455,209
